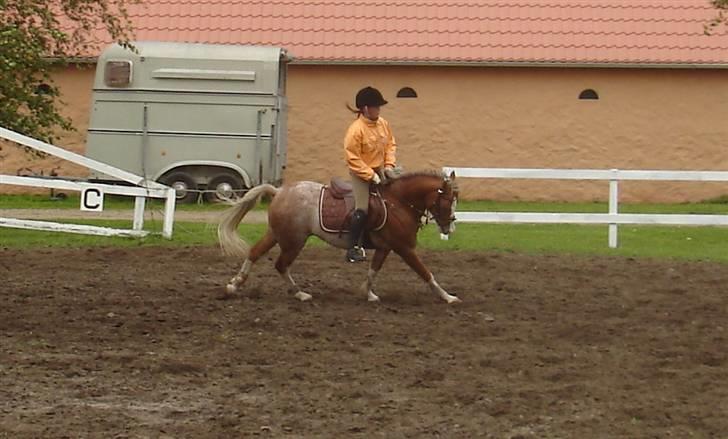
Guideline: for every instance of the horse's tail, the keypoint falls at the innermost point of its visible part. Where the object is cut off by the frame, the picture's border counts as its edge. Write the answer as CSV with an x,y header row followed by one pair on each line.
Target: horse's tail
x,y
227,231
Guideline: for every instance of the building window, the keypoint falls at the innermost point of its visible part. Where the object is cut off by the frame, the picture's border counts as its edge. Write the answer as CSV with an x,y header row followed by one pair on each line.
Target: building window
x,y
407,92
589,94
117,73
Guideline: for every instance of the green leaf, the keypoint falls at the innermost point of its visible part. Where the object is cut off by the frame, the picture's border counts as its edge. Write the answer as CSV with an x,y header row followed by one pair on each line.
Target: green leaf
x,y
33,43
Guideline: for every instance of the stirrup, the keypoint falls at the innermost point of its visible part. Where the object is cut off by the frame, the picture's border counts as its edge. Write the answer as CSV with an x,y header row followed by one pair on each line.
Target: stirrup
x,y
356,254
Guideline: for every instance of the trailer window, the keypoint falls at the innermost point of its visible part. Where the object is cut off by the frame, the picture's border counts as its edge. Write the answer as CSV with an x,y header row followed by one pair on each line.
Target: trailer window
x,y
117,73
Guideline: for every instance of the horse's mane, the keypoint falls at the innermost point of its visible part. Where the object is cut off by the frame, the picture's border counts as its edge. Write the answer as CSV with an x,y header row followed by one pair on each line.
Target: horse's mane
x,y
427,173
423,173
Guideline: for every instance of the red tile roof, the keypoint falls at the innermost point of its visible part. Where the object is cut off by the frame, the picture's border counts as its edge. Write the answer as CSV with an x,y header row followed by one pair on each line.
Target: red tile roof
x,y
448,31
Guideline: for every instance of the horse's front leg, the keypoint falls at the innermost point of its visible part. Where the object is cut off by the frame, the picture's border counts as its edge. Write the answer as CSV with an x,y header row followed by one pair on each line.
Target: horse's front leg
x,y
377,261
414,261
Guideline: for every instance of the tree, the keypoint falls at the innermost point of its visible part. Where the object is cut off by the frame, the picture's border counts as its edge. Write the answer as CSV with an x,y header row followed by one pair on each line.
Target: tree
x,y
721,18
37,36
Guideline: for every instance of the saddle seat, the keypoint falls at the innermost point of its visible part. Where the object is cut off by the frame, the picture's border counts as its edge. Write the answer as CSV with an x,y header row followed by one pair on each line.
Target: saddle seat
x,y
341,188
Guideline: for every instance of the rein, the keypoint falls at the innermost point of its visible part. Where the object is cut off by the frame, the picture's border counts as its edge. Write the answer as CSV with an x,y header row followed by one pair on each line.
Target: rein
x,y
429,212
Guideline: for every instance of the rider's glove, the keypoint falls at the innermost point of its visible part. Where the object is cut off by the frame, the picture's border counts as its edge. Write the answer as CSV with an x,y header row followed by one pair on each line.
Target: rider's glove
x,y
392,173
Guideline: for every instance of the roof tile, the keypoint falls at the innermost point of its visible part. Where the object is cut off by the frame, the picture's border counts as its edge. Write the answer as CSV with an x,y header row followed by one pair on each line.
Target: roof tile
x,y
578,31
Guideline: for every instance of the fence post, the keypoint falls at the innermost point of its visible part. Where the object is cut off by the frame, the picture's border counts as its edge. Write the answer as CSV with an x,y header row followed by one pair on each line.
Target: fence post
x,y
169,213
139,203
613,208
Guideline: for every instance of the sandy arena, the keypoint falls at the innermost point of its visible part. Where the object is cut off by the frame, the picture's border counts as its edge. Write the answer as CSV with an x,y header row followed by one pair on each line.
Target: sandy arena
x,y
119,343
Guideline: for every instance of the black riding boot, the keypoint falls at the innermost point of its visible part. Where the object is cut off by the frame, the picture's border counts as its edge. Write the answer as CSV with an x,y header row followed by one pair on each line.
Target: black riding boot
x,y
358,221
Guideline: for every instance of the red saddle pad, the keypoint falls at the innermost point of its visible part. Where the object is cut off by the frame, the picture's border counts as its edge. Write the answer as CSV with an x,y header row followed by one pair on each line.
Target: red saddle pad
x,y
335,213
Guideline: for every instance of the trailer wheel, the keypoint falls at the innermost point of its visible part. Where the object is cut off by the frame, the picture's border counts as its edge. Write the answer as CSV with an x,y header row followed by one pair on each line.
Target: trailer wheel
x,y
225,185
183,184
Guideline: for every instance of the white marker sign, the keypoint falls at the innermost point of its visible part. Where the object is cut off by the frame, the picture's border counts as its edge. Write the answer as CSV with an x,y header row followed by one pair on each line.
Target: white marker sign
x,y
92,199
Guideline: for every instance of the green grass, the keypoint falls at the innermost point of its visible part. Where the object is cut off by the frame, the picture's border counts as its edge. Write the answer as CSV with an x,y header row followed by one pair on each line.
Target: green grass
x,y
120,203
111,202
687,243
185,234
683,243
594,207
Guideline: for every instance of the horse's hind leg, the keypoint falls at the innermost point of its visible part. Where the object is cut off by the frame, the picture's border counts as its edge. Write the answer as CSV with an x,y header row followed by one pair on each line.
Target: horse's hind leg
x,y
259,249
289,253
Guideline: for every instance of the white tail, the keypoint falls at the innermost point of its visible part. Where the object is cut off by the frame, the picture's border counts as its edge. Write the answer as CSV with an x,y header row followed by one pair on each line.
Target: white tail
x,y
227,231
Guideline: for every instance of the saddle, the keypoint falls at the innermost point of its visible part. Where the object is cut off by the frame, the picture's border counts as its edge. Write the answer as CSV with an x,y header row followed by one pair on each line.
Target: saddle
x,y
336,204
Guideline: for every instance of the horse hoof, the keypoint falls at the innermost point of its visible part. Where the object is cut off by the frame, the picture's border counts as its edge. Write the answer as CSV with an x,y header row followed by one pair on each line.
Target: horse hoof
x,y
452,300
230,288
371,297
303,297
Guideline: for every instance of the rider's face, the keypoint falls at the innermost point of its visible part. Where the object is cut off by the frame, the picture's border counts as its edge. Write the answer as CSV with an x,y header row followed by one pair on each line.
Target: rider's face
x,y
371,113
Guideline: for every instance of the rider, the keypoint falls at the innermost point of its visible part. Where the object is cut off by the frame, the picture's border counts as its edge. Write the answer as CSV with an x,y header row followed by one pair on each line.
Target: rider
x,y
370,154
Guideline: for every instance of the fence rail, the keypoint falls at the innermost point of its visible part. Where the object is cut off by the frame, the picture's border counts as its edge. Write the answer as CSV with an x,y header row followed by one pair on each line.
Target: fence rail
x,y
142,190
613,218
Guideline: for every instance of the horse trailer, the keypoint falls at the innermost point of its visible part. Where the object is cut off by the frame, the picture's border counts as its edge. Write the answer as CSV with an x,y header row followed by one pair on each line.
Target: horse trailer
x,y
201,118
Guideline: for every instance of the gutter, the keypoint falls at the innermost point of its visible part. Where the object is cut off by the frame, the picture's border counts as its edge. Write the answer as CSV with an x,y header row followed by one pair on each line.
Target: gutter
x,y
544,64
531,64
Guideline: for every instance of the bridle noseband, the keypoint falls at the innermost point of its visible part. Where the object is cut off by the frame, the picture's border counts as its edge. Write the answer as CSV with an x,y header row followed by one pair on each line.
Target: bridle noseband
x,y
436,208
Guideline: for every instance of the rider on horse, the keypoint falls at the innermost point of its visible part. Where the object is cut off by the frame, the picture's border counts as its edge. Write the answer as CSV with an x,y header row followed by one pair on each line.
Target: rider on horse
x,y
370,155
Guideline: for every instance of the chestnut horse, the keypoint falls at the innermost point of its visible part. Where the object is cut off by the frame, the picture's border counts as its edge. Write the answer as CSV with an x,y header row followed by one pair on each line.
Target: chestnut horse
x,y
293,216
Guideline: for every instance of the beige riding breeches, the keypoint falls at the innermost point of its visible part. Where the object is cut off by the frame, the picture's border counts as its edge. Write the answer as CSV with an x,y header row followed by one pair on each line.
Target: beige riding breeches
x,y
361,191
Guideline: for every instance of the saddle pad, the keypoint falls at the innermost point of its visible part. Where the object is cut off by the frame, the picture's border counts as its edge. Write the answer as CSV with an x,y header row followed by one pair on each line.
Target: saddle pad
x,y
335,213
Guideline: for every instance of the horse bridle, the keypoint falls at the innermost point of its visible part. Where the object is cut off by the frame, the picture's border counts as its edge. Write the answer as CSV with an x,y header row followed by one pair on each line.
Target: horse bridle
x,y
436,208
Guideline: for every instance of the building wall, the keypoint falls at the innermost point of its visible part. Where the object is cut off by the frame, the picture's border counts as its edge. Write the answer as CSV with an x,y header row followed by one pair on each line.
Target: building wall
x,y
76,84
499,117
525,118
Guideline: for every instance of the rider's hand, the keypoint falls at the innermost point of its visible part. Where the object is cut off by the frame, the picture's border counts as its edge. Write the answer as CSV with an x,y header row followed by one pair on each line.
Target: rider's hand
x,y
391,173
376,179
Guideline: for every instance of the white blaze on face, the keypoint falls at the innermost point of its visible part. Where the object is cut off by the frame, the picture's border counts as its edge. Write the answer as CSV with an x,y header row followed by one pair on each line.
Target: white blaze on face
x,y
452,213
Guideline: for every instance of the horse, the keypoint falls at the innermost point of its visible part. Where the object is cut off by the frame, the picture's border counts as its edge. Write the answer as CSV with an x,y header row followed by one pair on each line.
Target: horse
x,y
294,216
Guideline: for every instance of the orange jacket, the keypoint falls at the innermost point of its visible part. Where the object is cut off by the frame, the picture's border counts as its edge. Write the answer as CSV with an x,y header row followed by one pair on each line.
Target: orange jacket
x,y
369,145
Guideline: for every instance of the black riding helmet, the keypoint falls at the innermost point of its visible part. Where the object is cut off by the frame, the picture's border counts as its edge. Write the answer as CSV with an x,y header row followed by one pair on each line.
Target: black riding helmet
x,y
369,97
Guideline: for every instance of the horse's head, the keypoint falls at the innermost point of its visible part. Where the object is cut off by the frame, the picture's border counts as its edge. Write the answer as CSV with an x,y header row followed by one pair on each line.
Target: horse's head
x,y
441,204
428,193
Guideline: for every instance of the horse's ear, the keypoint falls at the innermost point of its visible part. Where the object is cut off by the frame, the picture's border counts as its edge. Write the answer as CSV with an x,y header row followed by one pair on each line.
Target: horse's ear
x,y
452,176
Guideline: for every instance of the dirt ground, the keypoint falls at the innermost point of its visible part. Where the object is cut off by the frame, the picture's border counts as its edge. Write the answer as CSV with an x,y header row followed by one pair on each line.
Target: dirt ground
x,y
121,343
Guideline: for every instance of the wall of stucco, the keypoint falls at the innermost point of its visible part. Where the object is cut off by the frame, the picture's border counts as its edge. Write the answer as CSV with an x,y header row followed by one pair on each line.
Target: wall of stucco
x,y
493,117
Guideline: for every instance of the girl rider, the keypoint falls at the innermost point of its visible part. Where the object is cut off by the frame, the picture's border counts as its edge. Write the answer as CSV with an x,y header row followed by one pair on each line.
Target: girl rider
x,y
370,155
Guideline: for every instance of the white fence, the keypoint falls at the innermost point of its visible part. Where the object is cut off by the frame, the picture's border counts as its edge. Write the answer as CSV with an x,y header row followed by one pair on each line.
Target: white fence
x,y
140,191
613,217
